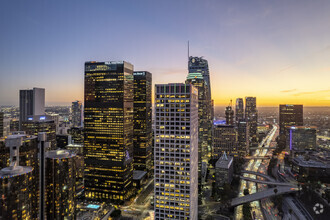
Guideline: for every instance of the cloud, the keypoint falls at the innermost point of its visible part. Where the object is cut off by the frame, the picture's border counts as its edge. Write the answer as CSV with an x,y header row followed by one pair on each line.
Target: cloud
x,y
312,92
290,90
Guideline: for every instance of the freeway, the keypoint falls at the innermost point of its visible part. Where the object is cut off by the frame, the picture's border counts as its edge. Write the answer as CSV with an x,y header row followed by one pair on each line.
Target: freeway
x,y
251,170
266,182
263,194
259,174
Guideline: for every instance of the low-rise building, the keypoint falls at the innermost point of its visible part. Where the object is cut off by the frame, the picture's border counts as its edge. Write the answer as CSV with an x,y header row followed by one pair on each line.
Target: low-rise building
x,y
224,170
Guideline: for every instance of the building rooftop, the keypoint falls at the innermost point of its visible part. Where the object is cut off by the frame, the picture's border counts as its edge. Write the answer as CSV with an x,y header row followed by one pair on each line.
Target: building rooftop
x,y
59,154
138,174
224,161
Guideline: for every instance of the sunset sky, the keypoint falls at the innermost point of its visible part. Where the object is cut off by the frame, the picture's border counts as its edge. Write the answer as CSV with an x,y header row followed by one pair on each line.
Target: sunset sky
x,y
278,51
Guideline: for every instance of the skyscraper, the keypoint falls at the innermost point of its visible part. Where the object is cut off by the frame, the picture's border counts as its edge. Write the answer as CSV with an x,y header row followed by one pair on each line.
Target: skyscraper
x,y
290,115
31,103
108,130
1,124
198,69
229,115
225,140
243,141
76,111
142,121
60,185
251,117
17,191
197,80
176,151
239,114
44,123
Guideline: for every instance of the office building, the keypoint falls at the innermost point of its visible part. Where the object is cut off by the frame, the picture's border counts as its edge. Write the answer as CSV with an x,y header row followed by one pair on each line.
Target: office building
x,y
77,135
229,112
41,123
300,138
31,103
76,114
62,140
224,170
199,76
290,115
204,122
1,124
225,140
60,179
239,108
176,152
18,195
142,121
108,131
243,141
251,117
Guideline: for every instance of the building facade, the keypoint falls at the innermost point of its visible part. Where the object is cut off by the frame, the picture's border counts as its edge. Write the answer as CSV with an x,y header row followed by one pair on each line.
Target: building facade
x,y
60,184
301,138
31,103
251,116
142,121
225,141
108,131
199,76
229,112
1,124
76,114
290,115
239,110
243,135
224,170
176,152
41,123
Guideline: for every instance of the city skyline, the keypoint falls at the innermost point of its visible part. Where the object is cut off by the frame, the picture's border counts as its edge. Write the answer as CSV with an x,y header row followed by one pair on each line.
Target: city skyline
x,y
276,51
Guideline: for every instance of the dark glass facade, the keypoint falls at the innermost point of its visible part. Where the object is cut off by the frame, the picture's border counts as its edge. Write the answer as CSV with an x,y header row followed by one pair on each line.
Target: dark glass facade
x,y
37,124
290,115
239,113
108,131
251,117
198,65
142,121
76,114
1,124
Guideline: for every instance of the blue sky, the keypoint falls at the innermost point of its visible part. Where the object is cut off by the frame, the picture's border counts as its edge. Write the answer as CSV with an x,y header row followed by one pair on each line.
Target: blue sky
x,y
278,51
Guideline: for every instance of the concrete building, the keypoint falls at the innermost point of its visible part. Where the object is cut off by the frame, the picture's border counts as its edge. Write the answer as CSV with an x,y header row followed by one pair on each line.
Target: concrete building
x,y
224,170
31,103
176,151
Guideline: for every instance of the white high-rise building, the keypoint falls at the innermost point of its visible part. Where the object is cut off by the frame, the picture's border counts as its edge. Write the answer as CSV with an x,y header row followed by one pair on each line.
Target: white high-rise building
x,y
176,151
31,103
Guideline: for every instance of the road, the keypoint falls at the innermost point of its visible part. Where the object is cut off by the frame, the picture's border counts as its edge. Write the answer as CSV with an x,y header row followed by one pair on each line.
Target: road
x,y
254,165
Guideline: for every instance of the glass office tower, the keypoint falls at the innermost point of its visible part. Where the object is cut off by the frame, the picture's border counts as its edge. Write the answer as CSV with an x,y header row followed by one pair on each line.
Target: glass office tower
x,y
239,114
108,130
142,121
290,115
251,117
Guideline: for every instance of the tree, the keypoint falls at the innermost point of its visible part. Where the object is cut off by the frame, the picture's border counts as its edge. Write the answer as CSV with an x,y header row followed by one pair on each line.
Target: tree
x,y
275,191
115,214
